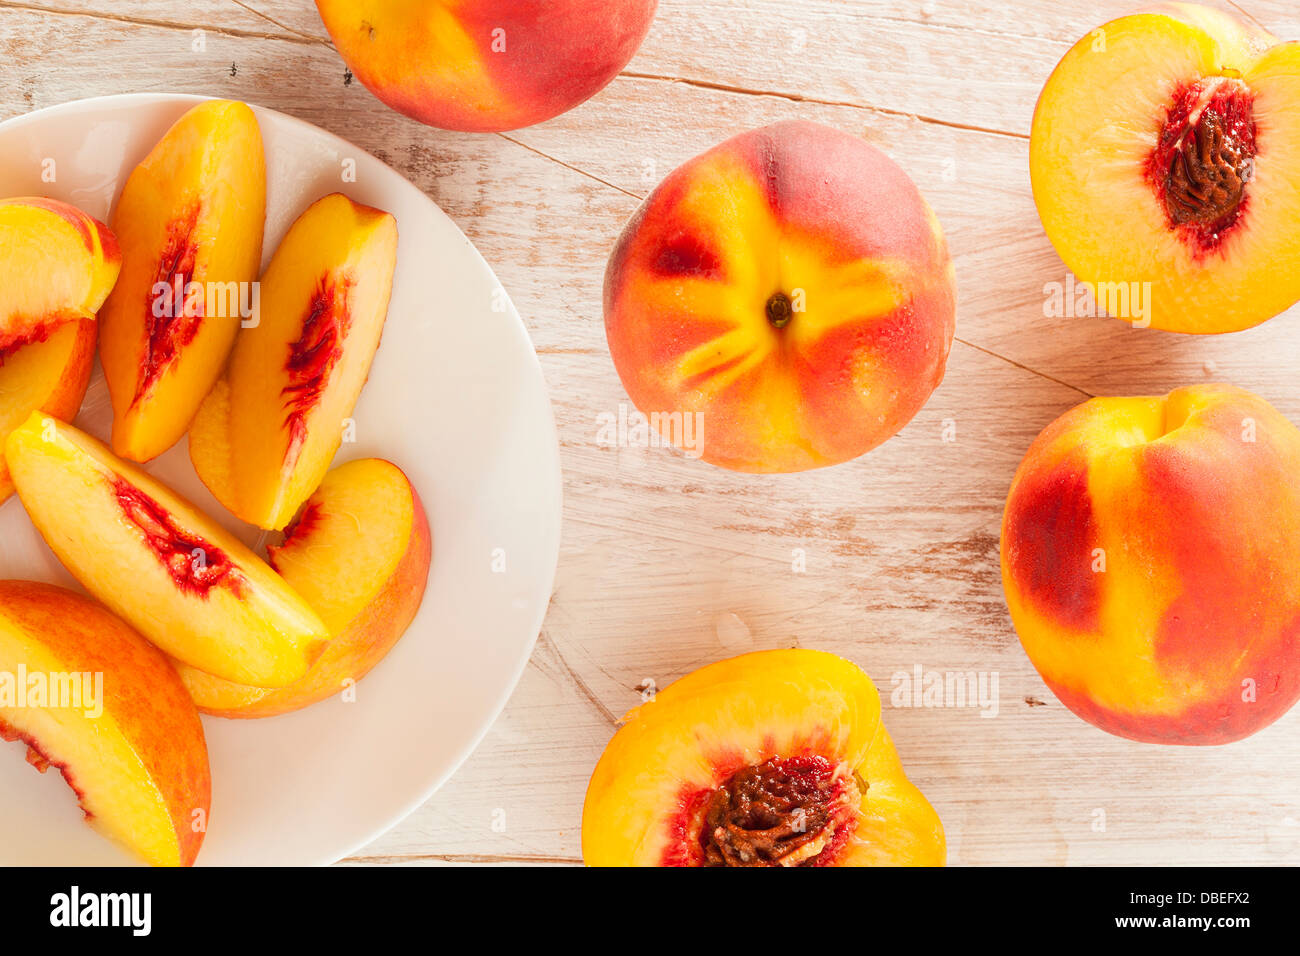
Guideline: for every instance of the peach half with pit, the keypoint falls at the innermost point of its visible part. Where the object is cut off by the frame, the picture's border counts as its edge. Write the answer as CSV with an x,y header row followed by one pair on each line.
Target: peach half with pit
x,y
359,553
188,585
486,65
791,291
775,758
1150,566
1163,157
110,714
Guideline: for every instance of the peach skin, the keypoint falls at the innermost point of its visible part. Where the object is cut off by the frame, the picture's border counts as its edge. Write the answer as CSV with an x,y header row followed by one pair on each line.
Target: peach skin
x,y
788,295
182,580
776,758
1161,157
1149,563
359,553
114,720
190,222
486,65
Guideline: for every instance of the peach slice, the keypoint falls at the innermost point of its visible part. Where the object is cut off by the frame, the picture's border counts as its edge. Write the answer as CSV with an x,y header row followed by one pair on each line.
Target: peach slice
x,y
49,376
1164,154
177,576
265,437
57,264
190,221
359,553
1150,565
111,715
486,65
776,758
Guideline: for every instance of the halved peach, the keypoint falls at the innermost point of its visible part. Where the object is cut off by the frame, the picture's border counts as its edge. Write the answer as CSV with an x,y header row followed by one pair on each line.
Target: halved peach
x,y
181,579
57,264
190,221
266,435
111,715
359,553
776,758
1164,153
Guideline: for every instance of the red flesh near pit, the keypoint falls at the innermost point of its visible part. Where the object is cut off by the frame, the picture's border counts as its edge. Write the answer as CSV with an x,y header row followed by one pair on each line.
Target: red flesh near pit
x,y
1231,108
314,355
42,761
194,565
169,334
809,774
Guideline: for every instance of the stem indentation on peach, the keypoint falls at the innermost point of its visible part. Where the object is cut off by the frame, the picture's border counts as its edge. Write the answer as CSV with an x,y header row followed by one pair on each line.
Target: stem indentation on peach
x,y
779,310
196,565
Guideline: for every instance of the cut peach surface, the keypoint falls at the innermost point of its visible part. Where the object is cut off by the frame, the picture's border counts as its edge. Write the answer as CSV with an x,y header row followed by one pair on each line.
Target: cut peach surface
x,y
114,719
776,758
49,376
57,264
486,65
1165,149
788,296
1150,565
182,580
190,222
266,435
359,553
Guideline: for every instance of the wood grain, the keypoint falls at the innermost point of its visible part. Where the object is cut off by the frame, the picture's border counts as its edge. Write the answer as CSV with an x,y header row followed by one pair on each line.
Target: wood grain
x,y
669,564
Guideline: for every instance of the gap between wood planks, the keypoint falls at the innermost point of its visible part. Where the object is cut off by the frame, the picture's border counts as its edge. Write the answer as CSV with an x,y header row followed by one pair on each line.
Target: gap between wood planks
x,y
293,36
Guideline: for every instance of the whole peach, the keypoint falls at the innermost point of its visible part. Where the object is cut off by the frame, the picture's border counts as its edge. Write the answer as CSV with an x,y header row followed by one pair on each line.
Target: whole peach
x,y
486,65
1151,563
783,302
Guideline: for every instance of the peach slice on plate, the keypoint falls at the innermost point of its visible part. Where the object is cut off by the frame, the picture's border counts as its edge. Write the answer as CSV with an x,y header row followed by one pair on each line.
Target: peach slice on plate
x,y
181,579
783,302
1161,158
265,437
776,758
1150,565
104,707
486,65
190,222
359,553
57,265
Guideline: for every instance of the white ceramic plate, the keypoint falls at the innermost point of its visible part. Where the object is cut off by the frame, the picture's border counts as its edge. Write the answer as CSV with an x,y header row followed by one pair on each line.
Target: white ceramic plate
x,y
455,398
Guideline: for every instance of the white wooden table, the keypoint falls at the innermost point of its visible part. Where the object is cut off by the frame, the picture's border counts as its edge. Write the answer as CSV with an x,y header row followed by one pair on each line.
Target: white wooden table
x,y
668,563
